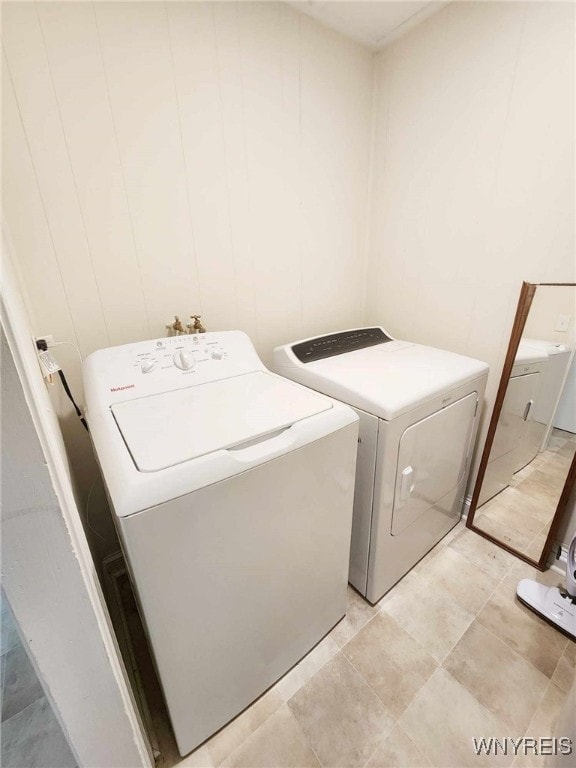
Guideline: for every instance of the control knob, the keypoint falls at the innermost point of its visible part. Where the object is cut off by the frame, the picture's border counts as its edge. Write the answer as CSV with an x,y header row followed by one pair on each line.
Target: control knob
x,y
184,360
217,354
147,366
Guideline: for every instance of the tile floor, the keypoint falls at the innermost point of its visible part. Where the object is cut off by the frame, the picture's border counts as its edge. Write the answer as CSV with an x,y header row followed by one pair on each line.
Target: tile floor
x,y
447,655
31,734
521,514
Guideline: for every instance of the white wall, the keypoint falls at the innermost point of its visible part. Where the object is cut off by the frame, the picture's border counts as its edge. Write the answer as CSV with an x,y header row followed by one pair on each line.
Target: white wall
x,y
473,178
184,157
548,304
165,158
214,157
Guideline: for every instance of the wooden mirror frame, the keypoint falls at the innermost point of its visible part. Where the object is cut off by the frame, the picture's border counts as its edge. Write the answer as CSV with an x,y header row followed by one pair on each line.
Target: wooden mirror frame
x,y
524,303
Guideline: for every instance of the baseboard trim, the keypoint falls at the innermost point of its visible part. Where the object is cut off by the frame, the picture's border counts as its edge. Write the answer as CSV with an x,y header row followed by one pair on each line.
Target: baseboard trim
x,y
558,557
466,507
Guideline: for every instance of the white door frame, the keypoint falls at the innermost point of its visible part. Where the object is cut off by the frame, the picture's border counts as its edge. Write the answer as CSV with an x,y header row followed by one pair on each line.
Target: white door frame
x,y
45,557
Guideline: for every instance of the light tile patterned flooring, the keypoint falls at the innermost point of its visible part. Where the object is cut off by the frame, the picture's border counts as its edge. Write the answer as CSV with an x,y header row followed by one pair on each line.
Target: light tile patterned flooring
x,y
447,655
31,734
521,514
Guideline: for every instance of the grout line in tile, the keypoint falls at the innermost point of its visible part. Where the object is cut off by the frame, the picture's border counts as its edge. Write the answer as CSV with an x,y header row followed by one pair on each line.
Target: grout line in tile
x,y
499,583
380,742
383,739
496,588
17,714
311,676
474,616
384,736
469,692
519,654
347,660
339,651
559,660
250,735
287,700
428,682
416,640
544,527
372,689
440,665
310,745
368,621
439,662
206,743
540,700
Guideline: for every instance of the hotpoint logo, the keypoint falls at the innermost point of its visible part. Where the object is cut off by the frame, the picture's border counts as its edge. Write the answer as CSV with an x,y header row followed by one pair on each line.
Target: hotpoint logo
x,y
119,389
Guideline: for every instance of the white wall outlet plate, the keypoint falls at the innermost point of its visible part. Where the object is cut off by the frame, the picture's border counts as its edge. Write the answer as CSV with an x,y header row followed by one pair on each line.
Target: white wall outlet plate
x,y
562,323
47,337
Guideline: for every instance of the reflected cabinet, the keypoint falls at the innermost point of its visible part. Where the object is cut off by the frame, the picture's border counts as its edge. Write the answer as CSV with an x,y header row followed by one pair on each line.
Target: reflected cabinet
x,y
528,466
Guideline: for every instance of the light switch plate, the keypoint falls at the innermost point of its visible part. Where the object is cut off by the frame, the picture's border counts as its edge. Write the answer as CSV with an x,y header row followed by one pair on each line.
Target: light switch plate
x,y
562,323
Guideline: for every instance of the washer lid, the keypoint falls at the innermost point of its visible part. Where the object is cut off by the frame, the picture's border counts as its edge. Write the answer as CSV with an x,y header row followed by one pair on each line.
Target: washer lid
x,y
551,347
173,427
390,379
528,354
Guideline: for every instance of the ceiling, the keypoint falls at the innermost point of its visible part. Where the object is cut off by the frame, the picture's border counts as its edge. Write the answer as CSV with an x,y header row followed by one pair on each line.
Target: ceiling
x,y
375,24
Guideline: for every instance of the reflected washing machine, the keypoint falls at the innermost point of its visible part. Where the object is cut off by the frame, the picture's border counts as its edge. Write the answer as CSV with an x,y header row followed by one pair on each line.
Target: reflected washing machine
x,y
418,409
232,492
559,358
518,436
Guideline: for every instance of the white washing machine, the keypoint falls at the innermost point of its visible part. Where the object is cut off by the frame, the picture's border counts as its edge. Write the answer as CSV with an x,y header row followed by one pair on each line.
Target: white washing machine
x,y
418,410
565,416
232,492
553,381
518,436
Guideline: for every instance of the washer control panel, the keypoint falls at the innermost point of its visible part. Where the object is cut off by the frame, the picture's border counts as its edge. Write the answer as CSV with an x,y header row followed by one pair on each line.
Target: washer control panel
x,y
181,352
150,367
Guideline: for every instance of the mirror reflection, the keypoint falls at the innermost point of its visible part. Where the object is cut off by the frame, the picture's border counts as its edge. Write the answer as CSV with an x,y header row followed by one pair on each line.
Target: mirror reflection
x,y
535,438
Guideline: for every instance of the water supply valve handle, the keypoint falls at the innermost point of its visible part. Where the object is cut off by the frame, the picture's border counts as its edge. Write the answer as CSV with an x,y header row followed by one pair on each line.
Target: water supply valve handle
x,y
195,326
175,328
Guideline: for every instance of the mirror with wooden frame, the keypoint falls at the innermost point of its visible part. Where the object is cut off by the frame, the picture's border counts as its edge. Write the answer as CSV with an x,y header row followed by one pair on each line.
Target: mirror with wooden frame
x,y
528,466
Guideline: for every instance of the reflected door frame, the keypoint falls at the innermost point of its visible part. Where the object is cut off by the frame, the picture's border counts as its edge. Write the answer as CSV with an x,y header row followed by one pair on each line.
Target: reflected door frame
x,y
527,293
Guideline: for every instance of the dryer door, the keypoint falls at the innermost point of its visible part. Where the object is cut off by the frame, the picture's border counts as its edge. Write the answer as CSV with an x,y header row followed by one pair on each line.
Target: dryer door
x,y
432,461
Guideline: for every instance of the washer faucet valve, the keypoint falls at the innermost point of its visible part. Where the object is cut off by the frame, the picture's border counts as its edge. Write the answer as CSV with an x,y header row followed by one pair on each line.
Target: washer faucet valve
x,y
175,328
196,326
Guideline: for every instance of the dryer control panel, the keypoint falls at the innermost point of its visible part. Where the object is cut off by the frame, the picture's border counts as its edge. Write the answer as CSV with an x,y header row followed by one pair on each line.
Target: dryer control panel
x,y
338,343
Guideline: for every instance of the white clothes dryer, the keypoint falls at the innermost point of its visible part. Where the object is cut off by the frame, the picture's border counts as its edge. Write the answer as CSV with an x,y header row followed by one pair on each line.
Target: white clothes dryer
x,y
418,410
232,492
